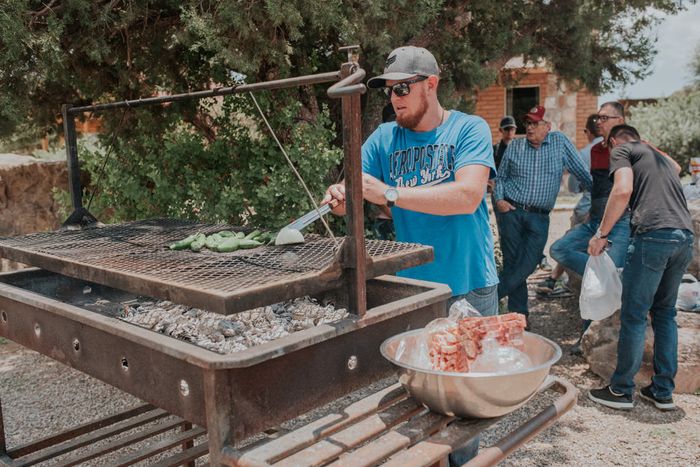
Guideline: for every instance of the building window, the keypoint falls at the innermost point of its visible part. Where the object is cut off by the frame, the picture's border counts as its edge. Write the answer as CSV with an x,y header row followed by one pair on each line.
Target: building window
x,y
519,101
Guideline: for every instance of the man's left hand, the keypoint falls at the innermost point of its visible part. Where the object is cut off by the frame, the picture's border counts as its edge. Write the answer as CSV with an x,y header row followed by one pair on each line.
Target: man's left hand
x,y
596,246
373,189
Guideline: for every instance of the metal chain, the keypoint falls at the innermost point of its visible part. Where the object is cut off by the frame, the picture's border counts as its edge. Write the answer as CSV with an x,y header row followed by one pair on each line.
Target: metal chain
x,y
107,156
291,164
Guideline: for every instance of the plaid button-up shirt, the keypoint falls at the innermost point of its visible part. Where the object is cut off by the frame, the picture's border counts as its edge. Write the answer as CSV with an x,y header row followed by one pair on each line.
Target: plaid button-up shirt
x,y
532,176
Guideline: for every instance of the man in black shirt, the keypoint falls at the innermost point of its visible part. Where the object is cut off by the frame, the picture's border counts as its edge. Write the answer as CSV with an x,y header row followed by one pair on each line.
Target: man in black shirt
x,y
659,253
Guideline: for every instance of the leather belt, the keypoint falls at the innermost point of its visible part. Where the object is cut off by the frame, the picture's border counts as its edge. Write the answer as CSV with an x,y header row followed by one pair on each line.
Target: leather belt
x,y
527,208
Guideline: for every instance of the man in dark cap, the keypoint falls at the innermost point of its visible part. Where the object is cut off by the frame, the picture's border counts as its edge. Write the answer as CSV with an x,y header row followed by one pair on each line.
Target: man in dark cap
x,y
507,129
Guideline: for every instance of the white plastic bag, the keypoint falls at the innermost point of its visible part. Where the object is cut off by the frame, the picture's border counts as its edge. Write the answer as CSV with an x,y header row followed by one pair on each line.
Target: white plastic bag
x,y
601,288
462,309
688,294
497,358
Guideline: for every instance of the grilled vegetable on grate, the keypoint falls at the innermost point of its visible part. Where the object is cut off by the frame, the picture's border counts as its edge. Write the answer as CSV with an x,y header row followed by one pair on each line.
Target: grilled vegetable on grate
x,y
225,241
184,243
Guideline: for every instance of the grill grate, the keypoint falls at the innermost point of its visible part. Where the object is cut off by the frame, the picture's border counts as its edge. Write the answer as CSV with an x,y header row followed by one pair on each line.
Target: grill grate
x,y
135,257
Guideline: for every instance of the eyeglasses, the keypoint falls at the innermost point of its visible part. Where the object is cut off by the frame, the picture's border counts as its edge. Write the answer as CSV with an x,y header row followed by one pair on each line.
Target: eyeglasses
x,y
403,88
531,124
605,118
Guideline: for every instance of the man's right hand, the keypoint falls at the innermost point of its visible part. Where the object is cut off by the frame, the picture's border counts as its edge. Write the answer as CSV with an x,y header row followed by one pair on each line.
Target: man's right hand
x,y
504,206
336,192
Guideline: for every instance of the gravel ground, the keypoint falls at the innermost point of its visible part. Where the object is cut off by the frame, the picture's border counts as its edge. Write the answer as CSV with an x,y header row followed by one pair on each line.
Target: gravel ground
x,y
41,397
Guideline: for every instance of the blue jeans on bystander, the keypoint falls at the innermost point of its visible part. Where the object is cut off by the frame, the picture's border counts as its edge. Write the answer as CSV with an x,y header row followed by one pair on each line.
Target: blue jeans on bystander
x,y
523,235
655,263
571,250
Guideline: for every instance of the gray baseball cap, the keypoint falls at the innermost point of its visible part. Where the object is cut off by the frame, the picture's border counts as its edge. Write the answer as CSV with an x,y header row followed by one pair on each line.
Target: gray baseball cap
x,y
406,62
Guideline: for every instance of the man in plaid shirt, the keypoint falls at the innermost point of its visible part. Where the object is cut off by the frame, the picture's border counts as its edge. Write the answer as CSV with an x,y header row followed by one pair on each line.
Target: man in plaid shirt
x,y
527,185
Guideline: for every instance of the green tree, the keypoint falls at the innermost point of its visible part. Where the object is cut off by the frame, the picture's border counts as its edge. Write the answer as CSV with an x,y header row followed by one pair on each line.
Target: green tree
x,y
673,124
695,65
86,51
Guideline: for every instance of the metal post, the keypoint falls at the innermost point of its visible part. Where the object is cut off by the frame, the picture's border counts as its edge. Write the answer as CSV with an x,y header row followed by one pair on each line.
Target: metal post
x,y
80,215
356,254
186,426
217,404
69,133
3,446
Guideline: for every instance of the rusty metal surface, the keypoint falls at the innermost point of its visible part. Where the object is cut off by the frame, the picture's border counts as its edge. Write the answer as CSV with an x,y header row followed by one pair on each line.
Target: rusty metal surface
x,y
390,428
356,255
280,389
135,257
528,430
172,374
111,435
52,440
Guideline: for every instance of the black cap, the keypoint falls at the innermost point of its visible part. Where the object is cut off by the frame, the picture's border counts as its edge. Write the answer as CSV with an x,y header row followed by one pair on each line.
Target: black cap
x,y
507,122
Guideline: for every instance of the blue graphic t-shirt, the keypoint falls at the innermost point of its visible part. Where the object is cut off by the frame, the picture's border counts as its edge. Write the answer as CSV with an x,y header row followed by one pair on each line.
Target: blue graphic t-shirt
x,y
463,243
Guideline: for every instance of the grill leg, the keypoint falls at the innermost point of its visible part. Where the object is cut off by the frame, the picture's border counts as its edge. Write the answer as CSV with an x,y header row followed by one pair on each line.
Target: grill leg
x,y
187,444
3,446
217,403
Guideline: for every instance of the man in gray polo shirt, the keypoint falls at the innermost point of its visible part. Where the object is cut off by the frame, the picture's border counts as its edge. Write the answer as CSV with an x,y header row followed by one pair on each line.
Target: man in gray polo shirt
x,y
658,255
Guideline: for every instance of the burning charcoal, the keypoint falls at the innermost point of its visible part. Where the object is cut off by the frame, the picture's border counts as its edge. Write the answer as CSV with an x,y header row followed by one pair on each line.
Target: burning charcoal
x,y
278,308
193,313
244,330
230,328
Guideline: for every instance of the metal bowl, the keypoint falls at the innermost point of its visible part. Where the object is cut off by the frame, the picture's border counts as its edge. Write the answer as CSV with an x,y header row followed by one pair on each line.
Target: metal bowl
x,y
474,395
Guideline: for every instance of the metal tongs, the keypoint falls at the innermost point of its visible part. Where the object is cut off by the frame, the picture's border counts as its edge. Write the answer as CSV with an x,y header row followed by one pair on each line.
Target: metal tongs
x,y
292,232
312,216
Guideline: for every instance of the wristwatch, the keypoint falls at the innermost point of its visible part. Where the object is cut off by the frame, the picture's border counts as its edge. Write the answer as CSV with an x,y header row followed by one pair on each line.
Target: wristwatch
x,y
391,195
600,235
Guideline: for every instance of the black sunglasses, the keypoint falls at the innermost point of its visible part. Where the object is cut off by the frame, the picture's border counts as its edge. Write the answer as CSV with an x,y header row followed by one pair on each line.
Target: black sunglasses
x,y
403,88
604,118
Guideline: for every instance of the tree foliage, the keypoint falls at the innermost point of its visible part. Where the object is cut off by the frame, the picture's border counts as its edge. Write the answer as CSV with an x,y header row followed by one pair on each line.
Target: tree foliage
x,y
86,51
673,124
695,65
239,177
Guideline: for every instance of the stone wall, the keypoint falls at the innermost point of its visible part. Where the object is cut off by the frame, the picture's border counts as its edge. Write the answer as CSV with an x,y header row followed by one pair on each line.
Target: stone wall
x,y
26,199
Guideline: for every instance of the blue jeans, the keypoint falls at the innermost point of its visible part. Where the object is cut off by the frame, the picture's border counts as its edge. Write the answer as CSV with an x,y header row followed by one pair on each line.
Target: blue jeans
x,y
655,264
485,300
523,236
571,250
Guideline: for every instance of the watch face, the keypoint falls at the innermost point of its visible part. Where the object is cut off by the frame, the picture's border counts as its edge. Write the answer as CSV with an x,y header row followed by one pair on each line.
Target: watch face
x,y
391,194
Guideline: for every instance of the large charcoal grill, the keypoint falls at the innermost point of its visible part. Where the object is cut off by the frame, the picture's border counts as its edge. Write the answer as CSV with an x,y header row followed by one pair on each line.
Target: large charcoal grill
x,y
135,257
236,395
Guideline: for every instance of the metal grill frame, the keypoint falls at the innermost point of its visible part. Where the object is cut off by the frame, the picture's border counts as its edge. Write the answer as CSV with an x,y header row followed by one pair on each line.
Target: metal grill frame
x,y
234,395
348,89
135,257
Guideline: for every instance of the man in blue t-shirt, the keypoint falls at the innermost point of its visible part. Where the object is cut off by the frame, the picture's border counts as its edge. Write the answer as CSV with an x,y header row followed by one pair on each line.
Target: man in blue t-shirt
x,y
431,167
